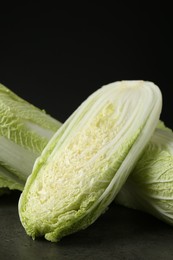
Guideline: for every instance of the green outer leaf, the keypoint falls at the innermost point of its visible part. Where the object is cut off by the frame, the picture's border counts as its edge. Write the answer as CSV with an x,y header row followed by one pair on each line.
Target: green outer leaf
x,y
23,123
24,132
56,200
150,186
10,182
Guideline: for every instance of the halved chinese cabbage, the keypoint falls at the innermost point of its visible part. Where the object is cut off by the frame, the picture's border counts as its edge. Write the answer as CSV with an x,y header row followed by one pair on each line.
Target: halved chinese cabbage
x,y
24,132
150,186
88,160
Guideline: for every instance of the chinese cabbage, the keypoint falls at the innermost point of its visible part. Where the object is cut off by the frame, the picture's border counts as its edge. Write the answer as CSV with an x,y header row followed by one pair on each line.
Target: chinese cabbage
x,y
89,158
24,132
150,186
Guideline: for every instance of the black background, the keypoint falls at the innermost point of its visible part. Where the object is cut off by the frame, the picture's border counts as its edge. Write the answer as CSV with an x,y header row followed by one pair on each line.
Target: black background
x,y
55,56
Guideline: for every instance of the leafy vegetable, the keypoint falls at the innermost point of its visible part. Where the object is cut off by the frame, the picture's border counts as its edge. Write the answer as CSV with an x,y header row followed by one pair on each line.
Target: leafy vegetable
x,y
150,185
24,132
88,160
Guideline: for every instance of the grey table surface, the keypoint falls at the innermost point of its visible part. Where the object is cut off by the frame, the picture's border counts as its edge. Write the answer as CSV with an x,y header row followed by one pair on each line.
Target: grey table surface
x,y
120,233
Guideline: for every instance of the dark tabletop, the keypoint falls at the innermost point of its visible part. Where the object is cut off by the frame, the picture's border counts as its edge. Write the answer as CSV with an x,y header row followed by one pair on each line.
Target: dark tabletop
x,y
120,233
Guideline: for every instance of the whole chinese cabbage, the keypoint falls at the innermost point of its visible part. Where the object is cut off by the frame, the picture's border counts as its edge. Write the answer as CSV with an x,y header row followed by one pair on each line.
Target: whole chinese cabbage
x,y
89,158
150,186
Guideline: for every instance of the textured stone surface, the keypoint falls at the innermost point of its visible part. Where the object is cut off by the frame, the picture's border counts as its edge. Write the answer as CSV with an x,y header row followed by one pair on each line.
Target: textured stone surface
x,y
118,234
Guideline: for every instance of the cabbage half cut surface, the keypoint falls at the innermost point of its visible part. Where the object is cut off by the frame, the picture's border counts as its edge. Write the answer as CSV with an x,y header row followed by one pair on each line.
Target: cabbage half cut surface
x,y
24,132
150,186
89,158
